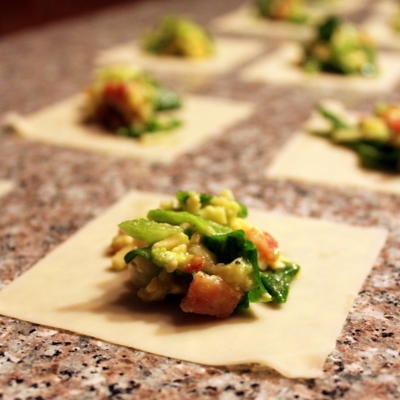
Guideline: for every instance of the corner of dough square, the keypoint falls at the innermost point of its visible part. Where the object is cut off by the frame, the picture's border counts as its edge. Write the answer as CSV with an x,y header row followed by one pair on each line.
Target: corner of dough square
x,y
203,117
5,186
282,68
245,21
313,159
229,53
295,339
380,24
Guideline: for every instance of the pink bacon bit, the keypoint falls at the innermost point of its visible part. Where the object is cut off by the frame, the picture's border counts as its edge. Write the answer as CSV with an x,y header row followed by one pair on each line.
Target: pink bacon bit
x,y
392,118
211,295
195,265
266,244
116,91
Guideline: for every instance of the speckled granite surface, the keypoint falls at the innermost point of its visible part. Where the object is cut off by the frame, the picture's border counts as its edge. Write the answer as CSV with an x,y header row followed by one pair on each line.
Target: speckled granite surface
x,y
58,190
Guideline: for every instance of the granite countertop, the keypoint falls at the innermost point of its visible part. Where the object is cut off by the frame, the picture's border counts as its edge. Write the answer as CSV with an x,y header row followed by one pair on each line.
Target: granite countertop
x,y
58,190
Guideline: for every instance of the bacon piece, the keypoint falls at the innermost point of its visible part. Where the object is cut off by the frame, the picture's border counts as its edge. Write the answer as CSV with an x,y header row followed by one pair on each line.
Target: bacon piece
x,y
282,9
195,265
211,295
392,117
266,244
116,91
114,110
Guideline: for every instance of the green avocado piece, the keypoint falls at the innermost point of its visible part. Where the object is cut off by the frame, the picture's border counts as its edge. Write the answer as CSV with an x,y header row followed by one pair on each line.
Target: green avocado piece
x,y
167,99
148,231
198,223
346,135
336,120
375,128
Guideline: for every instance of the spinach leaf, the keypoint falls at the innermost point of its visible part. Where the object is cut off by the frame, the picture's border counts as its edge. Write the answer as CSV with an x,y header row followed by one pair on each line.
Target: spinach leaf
x,y
244,302
205,198
243,212
152,126
183,196
144,252
328,28
277,282
228,247
377,155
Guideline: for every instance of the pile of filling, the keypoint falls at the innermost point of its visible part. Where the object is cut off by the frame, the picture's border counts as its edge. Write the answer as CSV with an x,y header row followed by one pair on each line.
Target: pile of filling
x,y
376,138
180,37
129,102
341,48
201,248
281,10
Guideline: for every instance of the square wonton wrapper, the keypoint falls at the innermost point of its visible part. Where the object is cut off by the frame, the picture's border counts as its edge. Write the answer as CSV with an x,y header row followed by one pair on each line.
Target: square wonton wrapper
x,y
83,296
229,54
202,117
307,157
379,25
244,20
282,67
5,186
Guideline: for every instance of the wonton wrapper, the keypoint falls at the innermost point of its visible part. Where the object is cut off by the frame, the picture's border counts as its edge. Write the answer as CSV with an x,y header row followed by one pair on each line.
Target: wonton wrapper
x,y
282,67
5,186
83,296
245,20
379,25
203,117
229,53
315,159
